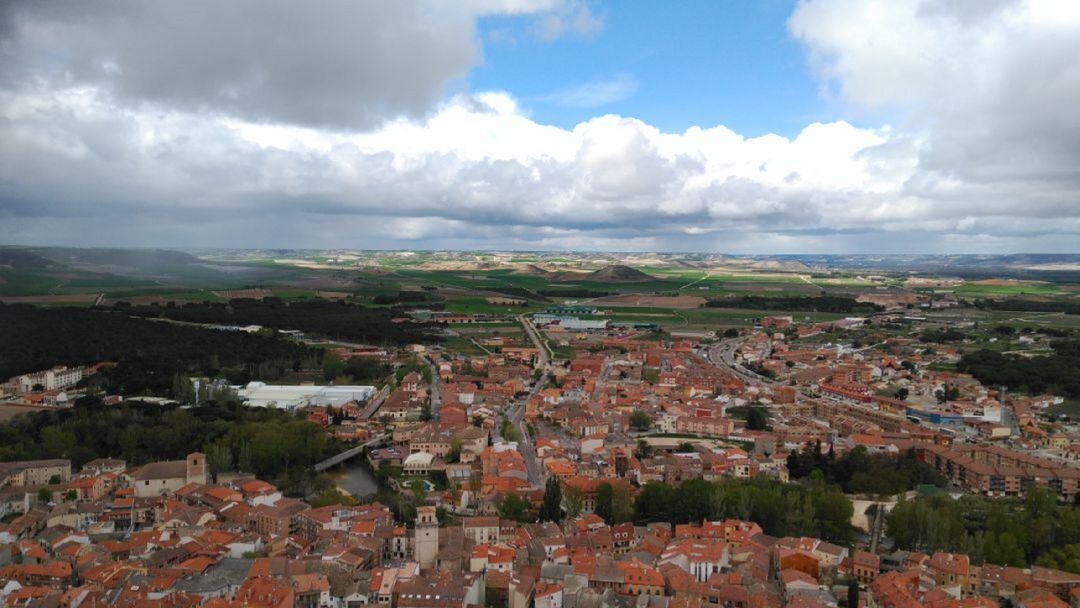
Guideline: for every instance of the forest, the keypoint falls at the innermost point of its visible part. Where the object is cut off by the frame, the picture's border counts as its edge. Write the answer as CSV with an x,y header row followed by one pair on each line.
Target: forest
x,y
1007,532
835,304
147,354
809,508
1058,373
326,318
273,444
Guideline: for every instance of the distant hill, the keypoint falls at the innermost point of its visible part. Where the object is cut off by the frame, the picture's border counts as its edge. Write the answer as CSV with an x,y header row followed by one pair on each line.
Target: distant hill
x,y
532,269
618,274
142,259
22,259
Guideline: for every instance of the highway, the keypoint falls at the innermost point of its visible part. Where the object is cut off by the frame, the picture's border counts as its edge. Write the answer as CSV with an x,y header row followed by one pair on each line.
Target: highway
x,y
723,353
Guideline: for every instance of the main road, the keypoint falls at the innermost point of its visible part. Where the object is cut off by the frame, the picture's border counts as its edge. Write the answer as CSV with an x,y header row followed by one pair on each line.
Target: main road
x,y
723,353
516,413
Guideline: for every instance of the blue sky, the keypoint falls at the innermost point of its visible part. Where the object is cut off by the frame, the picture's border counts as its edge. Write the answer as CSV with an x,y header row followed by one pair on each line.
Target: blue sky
x,y
707,63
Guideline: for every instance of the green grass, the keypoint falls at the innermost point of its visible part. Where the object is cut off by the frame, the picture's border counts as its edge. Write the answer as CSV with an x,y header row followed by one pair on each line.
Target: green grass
x,y
1008,290
462,345
1071,408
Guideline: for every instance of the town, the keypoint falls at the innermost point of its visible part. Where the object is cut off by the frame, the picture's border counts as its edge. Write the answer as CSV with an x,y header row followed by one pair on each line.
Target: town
x,y
561,459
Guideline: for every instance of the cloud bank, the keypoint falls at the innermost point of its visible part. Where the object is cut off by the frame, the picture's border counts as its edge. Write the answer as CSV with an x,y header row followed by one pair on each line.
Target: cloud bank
x,y
263,125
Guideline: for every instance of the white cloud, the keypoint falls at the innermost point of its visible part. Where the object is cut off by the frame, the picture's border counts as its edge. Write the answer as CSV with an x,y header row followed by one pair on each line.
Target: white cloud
x,y
573,17
595,93
983,157
990,89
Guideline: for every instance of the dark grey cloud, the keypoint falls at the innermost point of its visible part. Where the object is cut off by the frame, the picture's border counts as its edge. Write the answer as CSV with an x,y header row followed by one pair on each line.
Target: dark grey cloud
x,y
339,63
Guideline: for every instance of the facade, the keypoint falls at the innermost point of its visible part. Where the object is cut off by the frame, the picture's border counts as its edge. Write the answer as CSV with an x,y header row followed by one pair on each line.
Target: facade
x,y
34,472
996,471
426,546
51,379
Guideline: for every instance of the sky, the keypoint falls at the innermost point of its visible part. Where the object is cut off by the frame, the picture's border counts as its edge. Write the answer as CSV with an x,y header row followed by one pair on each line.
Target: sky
x,y
772,126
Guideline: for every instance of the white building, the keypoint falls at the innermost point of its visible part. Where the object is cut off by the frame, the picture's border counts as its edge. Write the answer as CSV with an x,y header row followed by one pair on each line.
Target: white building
x,y
292,396
575,324
50,379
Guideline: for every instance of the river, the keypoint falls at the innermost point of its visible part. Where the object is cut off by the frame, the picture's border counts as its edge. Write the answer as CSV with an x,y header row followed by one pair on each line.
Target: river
x,y
356,479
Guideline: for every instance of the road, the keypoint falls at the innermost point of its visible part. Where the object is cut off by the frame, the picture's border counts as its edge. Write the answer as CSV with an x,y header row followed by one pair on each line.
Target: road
x,y
544,356
516,413
723,353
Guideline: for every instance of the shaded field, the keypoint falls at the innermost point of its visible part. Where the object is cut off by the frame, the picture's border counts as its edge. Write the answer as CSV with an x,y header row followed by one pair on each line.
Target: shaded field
x,y
650,301
244,293
82,298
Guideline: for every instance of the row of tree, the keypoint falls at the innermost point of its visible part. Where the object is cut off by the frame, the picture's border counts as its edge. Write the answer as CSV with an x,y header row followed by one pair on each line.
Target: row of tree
x,y
812,507
859,472
1010,532
836,304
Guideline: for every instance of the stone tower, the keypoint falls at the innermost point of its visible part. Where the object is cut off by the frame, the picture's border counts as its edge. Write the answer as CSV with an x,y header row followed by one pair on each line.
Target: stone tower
x,y
196,467
427,537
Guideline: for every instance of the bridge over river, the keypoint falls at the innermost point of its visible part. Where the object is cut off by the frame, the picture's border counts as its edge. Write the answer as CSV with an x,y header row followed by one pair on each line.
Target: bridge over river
x,y
349,453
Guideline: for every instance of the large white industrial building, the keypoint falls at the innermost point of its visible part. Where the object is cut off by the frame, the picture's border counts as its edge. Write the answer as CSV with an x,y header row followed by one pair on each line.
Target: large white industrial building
x,y
291,396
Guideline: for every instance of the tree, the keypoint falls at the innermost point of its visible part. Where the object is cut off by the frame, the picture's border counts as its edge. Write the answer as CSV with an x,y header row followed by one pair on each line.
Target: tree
x,y
731,332
604,499
902,393
332,496
640,421
476,483
622,503
218,459
574,499
244,461
756,419
551,507
56,441
948,393
685,447
514,507
332,365
853,594
507,430
643,449
454,455
71,496
44,495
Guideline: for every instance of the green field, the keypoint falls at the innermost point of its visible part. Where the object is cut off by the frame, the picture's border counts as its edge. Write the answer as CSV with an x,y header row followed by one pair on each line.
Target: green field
x,y
1020,288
